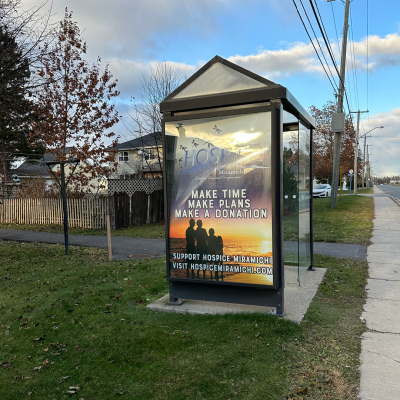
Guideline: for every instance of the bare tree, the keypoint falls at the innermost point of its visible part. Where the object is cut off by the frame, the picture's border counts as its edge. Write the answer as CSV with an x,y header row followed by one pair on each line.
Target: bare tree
x,y
24,39
32,31
145,117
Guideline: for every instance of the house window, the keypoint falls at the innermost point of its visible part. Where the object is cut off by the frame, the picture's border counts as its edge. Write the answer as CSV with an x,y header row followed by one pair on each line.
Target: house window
x,y
150,154
123,156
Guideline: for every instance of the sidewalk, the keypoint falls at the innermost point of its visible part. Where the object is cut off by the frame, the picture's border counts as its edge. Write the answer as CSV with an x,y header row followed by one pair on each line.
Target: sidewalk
x,y
380,354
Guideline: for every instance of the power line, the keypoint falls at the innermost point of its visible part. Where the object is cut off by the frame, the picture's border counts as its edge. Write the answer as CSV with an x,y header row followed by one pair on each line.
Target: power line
x,y
326,38
319,44
355,81
334,21
368,64
327,43
298,12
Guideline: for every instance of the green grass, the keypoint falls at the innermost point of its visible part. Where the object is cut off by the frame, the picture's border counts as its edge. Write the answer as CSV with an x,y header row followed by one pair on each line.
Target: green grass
x,y
349,222
150,231
327,364
79,320
359,191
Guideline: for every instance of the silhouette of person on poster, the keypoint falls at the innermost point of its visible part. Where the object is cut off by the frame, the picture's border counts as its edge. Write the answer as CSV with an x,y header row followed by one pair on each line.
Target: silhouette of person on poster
x,y
201,242
215,247
190,242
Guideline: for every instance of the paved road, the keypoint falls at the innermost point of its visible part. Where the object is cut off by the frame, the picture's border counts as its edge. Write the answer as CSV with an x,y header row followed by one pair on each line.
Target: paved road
x,y
391,190
125,248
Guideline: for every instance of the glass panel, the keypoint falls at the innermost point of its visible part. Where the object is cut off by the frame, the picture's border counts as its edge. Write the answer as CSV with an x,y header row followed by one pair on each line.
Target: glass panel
x,y
288,117
220,197
290,198
218,79
206,110
304,200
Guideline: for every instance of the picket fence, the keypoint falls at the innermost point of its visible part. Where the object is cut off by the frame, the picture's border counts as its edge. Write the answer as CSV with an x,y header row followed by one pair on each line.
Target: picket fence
x,y
82,213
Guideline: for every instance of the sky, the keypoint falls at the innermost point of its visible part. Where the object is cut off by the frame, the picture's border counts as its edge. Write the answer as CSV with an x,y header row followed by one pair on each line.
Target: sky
x,y
266,37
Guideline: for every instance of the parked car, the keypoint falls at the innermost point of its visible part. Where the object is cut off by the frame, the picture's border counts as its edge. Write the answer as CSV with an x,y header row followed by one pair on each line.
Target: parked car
x,y
322,190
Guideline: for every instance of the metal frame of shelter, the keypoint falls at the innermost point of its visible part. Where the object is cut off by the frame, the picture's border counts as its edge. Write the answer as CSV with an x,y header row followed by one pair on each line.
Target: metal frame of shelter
x,y
264,96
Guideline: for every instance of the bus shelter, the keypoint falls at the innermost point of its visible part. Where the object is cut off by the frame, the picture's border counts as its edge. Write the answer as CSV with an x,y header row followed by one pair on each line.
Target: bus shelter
x,y
237,154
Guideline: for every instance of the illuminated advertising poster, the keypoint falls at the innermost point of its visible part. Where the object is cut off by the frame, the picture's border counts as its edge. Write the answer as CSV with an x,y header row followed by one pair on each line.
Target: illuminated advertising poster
x,y
219,195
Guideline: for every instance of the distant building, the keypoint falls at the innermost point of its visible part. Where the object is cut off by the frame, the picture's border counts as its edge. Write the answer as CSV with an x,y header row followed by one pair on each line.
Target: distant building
x,y
139,157
37,171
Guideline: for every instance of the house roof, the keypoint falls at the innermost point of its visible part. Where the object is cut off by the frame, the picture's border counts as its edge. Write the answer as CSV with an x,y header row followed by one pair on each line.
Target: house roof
x,y
37,167
150,140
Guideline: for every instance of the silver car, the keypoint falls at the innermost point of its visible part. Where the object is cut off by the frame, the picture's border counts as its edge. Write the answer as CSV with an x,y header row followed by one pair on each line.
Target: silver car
x,y
322,190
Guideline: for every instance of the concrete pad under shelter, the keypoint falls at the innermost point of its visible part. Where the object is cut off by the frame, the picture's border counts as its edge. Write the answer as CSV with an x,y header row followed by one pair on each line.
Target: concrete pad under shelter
x,y
297,299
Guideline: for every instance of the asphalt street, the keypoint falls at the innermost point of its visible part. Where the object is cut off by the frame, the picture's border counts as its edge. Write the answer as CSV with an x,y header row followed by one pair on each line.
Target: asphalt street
x,y
125,248
391,190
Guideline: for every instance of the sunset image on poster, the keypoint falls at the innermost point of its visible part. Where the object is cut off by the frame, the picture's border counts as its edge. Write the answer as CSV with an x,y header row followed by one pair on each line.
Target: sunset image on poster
x,y
219,189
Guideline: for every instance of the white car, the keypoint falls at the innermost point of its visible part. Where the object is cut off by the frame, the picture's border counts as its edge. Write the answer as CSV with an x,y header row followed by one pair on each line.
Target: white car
x,y
322,190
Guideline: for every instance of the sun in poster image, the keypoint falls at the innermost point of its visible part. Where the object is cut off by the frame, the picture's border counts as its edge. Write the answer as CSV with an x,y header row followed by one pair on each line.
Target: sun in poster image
x,y
218,174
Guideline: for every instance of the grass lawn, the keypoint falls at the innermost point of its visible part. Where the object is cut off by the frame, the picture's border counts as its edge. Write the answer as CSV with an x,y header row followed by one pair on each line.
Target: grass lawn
x,y
76,327
349,222
366,190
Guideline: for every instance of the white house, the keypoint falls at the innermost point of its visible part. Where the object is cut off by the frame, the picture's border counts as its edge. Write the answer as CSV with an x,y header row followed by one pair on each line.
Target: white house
x,y
139,156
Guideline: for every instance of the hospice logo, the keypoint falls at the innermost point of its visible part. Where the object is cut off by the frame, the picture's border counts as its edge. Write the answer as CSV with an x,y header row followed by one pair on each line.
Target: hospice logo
x,y
208,158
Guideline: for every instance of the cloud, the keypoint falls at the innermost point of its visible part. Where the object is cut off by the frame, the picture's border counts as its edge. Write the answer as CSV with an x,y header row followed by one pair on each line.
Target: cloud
x,y
301,58
272,64
127,29
385,142
129,74
382,51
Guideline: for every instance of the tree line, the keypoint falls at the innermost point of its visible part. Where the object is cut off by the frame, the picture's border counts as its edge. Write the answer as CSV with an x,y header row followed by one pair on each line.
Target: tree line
x,y
53,100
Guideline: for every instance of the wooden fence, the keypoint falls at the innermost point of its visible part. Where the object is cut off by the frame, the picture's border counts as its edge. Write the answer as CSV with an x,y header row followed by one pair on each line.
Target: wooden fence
x,y
140,208
82,213
135,201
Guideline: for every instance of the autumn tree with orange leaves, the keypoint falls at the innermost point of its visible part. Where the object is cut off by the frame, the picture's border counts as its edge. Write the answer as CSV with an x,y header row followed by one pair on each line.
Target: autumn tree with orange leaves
x,y
323,141
77,112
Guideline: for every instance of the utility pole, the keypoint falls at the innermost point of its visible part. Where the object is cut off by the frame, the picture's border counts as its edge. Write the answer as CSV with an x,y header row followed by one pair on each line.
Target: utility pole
x,y
363,164
356,148
63,183
338,135
363,168
368,167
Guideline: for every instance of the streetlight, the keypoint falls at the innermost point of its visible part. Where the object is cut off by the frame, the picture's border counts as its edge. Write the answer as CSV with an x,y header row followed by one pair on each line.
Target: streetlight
x,y
363,164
